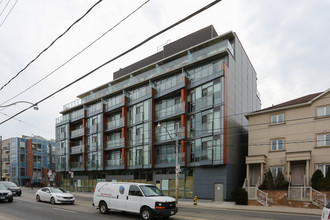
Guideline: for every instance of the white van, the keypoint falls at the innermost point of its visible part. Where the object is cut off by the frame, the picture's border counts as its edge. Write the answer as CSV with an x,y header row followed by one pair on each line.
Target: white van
x,y
144,199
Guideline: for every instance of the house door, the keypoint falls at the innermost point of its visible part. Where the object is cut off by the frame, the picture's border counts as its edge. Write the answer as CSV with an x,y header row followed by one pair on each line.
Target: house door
x,y
255,175
218,192
297,174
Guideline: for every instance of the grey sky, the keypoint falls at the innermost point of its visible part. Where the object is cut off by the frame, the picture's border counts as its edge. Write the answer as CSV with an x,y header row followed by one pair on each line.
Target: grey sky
x,y
286,41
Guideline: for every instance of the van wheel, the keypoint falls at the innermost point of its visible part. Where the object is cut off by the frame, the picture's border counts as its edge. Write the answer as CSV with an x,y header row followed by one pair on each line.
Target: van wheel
x,y
146,213
103,208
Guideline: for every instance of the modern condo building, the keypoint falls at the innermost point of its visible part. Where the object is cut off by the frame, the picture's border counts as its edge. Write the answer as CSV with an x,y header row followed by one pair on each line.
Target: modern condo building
x,y
193,94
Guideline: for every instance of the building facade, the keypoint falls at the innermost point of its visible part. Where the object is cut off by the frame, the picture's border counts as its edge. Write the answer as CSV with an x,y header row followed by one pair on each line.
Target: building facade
x,y
292,137
192,95
25,157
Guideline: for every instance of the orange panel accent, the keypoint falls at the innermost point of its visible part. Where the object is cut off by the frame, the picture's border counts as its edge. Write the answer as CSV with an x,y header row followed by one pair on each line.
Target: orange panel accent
x,y
184,122
224,67
30,158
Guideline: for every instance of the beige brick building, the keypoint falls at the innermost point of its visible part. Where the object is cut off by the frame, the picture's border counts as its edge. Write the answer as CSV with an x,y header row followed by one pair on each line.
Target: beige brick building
x,y
292,137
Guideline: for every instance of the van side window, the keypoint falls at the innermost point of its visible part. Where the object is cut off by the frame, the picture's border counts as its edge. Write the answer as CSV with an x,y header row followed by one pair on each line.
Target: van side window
x,y
134,191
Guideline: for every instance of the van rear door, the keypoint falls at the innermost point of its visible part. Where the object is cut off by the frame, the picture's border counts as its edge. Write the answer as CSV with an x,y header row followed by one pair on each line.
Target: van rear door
x,y
133,199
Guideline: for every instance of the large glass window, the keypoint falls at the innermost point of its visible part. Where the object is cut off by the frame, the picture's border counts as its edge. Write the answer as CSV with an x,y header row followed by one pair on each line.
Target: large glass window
x,y
323,140
324,168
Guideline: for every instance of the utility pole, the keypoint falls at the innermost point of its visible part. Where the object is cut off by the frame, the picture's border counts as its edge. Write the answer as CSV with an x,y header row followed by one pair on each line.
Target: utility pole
x,y
0,157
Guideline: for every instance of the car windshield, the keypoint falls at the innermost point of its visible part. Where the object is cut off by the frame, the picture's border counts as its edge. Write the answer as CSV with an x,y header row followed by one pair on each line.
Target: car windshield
x,y
9,184
149,190
2,187
57,190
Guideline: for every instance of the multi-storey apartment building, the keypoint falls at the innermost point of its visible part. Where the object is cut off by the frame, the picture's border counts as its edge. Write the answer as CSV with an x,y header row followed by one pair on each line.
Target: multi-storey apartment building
x,y
24,158
193,94
292,137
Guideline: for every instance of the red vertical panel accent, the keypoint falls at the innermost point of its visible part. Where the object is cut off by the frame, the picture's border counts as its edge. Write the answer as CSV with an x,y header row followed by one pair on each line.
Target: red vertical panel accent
x,y
153,127
224,67
29,158
184,122
84,143
124,132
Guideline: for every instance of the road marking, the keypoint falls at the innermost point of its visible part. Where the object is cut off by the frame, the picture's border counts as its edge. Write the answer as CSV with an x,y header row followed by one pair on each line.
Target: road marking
x,y
65,210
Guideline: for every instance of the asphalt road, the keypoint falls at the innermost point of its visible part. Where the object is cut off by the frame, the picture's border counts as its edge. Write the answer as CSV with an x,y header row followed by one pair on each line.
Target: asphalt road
x,y
27,208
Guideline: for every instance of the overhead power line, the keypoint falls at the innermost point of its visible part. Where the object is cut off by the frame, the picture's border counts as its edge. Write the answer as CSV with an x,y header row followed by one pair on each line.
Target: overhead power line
x,y
4,7
8,13
44,50
120,55
77,54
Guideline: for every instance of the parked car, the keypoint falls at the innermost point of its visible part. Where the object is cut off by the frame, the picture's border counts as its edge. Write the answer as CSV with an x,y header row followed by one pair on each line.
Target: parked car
x,y
12,187
144,199
326,212
54,195
5,194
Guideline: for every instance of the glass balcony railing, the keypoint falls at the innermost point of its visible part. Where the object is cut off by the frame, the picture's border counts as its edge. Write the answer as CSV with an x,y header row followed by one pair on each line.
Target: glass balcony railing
x,y
175,109
170,83
77,114
91,164
137,161
169,159
6,148
113,144
156,70
77,132
170,135
114,163
115,124
77,165
77,149
92,147
204,102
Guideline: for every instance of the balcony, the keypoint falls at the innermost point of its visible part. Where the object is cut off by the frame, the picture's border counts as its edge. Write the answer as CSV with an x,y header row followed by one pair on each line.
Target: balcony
x,y
207,156
171,111
171,84
112,125
91,165
77,115
6,149
77,149
78,133
62,136
115,144
165,136
135,163
169,160
6,160
77,165
114,103
114,164
6,171
37,165
206,129
93,129
139,118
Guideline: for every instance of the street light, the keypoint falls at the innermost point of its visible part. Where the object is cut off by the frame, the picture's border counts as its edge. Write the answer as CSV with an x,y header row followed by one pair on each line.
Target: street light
x,y
35,106
177,166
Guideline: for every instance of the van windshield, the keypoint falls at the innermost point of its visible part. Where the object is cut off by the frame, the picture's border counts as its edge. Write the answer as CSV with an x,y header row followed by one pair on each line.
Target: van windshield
x,y
151,191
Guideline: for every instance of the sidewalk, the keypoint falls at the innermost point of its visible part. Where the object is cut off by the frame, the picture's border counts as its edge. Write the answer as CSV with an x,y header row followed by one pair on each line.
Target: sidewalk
x,y
207,204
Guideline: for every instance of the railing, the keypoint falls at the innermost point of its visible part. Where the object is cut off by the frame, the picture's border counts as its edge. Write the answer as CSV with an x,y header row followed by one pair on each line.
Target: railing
x,y
6,171
117,143
92,147
169,158
175,109
307,193
77,149
254,193
169,135
114,162
204,102
78,132
6,148
115,124
262,196
77,165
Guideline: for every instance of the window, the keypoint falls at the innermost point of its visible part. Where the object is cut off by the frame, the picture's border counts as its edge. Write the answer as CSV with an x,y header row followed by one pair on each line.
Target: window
x,y
134,191
277,144
276,170
279,118
323,111
324,168
323,140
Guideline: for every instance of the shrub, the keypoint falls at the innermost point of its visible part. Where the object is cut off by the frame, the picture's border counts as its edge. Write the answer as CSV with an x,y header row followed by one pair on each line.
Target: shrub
x,y
268,181
280,182
317,179
325,184
240,196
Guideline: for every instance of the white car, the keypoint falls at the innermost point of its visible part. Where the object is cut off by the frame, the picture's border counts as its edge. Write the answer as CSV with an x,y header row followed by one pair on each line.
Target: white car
x,y
326,212
54,195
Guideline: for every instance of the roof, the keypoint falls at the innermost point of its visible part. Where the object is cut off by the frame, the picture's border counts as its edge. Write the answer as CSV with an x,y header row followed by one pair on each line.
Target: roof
x,y
304,100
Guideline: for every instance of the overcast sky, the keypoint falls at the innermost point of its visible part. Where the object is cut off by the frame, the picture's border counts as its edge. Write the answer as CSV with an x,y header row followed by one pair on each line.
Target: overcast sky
x,y
286,41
